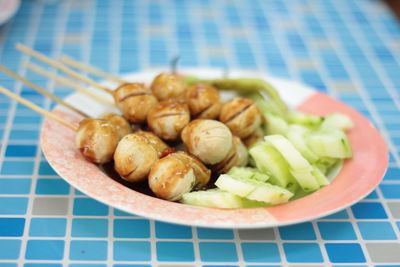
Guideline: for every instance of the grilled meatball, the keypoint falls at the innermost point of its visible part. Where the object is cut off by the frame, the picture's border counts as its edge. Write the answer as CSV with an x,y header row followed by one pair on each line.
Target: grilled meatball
x,y
241,116
97,140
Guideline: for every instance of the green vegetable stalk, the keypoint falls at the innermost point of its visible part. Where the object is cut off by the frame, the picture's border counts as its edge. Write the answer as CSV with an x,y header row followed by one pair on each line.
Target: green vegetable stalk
x,y
246,86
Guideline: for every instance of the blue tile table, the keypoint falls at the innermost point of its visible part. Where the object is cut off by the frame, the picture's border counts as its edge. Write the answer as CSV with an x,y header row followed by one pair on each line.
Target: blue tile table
x,y
349,49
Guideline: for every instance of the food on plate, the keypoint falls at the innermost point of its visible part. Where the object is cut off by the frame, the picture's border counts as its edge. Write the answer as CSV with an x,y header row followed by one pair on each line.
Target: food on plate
x,y
249,151
167,86
121,124
133,157
203,100
135,101
171,177
241,116
237,156
159,145
202,173
168,118
97,140
209,140
254,138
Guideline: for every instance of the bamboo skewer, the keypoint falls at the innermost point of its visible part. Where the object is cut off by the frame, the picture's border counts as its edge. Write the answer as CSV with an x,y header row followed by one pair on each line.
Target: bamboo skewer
x,y
41,90
82,66
61,67
37,108
67,82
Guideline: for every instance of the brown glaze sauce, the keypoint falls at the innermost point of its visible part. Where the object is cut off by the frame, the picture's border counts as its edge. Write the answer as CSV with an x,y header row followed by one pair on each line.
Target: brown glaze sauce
x,y
143,186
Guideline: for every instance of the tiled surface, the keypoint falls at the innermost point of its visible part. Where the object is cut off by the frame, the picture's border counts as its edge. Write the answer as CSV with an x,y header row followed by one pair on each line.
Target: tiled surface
x,y
349,49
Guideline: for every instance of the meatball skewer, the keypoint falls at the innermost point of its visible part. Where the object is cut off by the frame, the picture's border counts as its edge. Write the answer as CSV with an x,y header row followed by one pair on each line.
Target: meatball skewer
x,y
41,90
67,82
122,126
96,139
133,99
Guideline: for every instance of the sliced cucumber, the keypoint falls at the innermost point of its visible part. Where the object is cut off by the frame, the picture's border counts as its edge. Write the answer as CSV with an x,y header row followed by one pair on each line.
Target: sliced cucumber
x,y
247,172
330,143
213,198
306,179
311,121
268,160
253,189
296,136
275,124
293,157
337,121
320,177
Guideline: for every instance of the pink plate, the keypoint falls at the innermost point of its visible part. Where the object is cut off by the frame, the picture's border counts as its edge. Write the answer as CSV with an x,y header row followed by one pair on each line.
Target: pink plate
x,y
357,178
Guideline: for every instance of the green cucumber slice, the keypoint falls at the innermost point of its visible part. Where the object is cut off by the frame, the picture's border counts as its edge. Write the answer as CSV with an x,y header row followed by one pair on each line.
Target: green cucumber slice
x,y
253,189
247,172
337,121
268,160
330,143
213,198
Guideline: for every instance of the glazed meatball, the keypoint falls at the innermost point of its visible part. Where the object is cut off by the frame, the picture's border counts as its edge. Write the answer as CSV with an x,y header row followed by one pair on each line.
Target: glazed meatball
x,y
203,101
167,86
254,138
97,140
155,142
241,116
134,157
170,178
201,172
135,101
122,125
209,140
237,157
168,118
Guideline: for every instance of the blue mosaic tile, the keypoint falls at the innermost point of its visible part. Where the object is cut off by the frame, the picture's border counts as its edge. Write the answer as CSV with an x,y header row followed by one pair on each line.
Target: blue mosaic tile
x,y
218,252
302,252
131,228
47,227
369,210
390,191
167,230
302,231
209,233
89,227
12,226
260,252
9,249
345,252
337,231
52,187
89,207
21,151
13,205
15,186
17,167
132,251
88,250
44,250
175,251
376,231
338,215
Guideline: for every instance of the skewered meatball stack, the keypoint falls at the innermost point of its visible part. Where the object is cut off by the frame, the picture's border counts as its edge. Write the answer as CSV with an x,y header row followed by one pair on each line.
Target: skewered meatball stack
x,y
167,109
